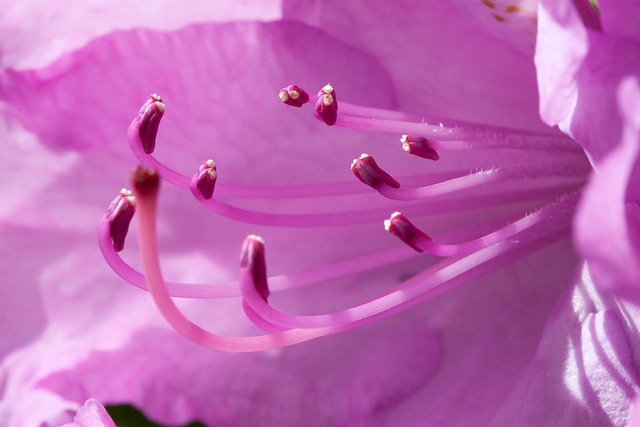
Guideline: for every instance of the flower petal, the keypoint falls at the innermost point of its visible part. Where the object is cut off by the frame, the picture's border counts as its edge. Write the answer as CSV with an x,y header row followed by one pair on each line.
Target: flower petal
x,y
607,226
590,343
34,33
438,59
579,70
620,17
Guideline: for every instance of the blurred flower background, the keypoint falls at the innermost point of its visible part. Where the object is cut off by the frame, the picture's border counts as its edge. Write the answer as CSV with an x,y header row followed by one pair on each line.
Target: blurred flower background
x,y
549,339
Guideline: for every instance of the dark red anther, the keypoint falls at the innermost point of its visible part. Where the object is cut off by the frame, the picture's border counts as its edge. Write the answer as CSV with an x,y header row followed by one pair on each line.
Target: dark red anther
x,y
294,96
148,121
419,146
402,228
326,108
120,213
252,260
206,178
145,181
367,170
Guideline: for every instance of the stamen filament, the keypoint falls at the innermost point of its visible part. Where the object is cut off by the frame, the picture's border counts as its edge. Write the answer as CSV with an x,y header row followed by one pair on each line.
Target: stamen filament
x,y
481,178
462,138
424,243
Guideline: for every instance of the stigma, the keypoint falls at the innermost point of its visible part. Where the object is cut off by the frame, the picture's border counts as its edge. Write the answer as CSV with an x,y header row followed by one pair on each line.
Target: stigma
x,y
534,191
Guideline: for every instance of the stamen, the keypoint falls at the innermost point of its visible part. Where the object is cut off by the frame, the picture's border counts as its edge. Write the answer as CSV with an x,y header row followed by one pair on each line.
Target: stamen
x,y
367,170
206,178
419,146
563,173
294,96
443,135
399,226
119,216
326,109
144,128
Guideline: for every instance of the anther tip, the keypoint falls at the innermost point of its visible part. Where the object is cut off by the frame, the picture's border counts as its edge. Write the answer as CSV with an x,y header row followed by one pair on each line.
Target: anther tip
x,y
367,170
256,238
419,146
205,179
119,215
145,181
400,226
252,259
326,109
293,95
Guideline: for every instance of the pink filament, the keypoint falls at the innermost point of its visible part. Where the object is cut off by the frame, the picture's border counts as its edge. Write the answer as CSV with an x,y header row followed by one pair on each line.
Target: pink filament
x,y
570,176
526,222
462,138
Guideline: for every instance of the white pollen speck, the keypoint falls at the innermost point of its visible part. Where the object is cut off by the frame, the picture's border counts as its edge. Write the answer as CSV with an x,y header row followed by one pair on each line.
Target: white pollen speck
x,y
364,155
406,147
160,106
387,224
212,174
327,100
132,200
156,97
256,237
328,88
211,163
284,97
294,94
403,138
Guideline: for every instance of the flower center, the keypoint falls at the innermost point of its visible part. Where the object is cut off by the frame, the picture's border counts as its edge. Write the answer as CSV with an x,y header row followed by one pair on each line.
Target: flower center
x,y
550,170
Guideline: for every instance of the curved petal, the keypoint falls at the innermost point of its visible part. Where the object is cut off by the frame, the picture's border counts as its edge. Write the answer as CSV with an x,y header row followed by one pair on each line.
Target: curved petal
x,y
437,60
607,226
35,33
620,17
584,372
579,70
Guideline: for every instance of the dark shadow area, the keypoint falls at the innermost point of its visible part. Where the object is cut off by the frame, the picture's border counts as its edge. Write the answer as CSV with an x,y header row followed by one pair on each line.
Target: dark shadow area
x,y
128,416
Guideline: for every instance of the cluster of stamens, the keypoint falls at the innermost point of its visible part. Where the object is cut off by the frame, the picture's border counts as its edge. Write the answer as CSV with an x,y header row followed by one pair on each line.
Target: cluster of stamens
x,y
512,238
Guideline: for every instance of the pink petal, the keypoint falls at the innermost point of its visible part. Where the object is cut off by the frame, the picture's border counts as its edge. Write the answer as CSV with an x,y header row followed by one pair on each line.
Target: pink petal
x,y
579,70
441,62
584,372
33,34
620,17
608,221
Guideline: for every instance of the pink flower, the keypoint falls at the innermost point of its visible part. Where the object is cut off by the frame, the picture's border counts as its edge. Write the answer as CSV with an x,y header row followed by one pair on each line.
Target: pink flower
x,y
533,333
